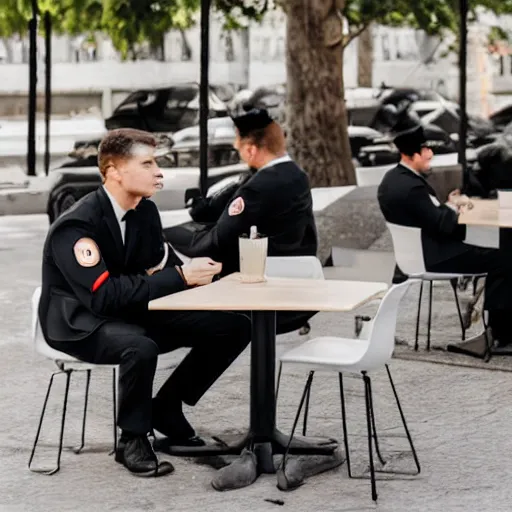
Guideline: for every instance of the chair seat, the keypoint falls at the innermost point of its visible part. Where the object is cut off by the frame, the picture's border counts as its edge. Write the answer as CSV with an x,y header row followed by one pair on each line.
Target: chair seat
x,y
329,353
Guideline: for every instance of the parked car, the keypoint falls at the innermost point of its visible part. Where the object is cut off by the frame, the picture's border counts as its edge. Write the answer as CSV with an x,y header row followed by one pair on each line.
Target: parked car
x,y
166,110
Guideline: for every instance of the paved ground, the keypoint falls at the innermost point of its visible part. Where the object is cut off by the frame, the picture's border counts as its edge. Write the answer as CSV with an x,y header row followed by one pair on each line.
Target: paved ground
x,y
459,418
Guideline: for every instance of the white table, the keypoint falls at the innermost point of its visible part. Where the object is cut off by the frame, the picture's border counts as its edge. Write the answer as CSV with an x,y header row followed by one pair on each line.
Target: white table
x,y
264,299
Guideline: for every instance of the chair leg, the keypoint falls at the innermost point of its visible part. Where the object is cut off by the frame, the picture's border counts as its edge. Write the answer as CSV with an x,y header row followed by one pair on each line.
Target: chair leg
x,y
418,318
488,340
453,282
375,439
87,383
367,389
306,408
63,421
344,422
429,313
114,408
278,379
411,444
297,416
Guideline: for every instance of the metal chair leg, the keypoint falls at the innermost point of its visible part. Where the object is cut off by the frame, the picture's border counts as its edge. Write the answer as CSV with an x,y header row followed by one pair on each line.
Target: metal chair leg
x,y
344,421
297,416
114,408
369,432
63,420
406,428
87,383
453,282
278,379
418,319
429,313
488,340
306,409
375,439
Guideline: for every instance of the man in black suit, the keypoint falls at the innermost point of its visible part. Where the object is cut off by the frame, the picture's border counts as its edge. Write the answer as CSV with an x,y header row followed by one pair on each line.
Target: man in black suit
x,y
103,261
276,198
407,199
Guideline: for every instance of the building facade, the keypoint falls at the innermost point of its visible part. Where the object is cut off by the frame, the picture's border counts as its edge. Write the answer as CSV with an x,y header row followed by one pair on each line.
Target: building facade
x,y
89,72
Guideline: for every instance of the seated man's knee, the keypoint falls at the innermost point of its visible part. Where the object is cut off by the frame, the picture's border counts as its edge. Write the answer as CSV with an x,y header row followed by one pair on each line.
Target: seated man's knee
x,y
143,350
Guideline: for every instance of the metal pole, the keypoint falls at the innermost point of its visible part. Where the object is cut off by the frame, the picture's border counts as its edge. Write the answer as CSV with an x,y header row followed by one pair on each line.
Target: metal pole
x,y
32,85
48,88
463,128
204,89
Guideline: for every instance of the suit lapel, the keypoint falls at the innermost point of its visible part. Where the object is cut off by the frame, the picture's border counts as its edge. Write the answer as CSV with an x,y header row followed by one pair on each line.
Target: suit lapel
x,y
419,177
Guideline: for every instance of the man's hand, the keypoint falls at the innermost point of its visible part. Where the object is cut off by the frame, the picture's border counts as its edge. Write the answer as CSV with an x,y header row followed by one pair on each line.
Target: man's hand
x,y
457,200
200,271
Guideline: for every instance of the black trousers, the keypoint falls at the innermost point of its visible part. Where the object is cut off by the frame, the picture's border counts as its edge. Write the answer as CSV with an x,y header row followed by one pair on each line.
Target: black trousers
x,y
216,339
498,284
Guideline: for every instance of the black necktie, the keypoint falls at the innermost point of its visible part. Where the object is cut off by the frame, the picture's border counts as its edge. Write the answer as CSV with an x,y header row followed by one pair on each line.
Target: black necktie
x,y
129,218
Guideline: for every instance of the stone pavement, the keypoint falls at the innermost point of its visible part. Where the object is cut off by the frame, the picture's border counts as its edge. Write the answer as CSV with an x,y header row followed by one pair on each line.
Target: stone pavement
x,y
459,419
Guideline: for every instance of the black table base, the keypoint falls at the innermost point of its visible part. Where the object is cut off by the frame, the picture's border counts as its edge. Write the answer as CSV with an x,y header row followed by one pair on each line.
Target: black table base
x,y
263,439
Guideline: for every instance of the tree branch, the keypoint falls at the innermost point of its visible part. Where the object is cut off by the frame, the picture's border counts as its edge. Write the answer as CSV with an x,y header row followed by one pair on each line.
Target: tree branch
x,y
356,33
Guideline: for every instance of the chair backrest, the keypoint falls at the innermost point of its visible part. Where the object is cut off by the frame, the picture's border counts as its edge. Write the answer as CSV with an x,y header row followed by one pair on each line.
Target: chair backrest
x,y
408,249
305,267
381,332
40,344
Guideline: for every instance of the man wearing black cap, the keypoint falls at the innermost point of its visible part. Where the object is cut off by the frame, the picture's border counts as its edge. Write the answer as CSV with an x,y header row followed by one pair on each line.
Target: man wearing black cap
x,y
407,199
277,199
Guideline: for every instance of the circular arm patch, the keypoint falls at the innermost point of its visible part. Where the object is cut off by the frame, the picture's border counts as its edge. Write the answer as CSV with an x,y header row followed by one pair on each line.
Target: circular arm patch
x,y
86,252
236,207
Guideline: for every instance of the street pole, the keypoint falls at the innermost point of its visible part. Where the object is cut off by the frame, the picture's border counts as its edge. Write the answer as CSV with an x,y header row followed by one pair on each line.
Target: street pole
x,y
463,127
204,90
47,88
32,84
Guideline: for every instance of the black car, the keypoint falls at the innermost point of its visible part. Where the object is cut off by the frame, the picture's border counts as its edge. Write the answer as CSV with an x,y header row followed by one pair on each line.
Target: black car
x,y
165,110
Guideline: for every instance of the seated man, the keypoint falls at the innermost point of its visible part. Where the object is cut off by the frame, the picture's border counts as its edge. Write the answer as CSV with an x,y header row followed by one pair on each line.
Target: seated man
x,y
406,198
103,261
277,199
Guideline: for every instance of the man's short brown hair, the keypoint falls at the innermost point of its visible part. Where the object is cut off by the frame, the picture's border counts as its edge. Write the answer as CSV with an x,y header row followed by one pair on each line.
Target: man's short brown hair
x,y
118,144
270,138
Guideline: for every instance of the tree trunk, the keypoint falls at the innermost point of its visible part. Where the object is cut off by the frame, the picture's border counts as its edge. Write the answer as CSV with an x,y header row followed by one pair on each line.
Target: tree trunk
x,y
365,58
317,121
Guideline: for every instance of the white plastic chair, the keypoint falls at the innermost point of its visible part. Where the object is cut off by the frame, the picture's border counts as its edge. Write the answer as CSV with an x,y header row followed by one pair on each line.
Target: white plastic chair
x,y
67,365
408,251
344,355
304,267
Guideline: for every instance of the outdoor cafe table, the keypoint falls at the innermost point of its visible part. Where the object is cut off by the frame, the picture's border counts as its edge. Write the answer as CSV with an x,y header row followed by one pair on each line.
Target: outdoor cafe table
x,y
263,300
486,213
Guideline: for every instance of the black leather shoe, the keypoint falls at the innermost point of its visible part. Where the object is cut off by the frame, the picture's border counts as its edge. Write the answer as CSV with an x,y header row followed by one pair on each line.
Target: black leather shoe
x,y
175,427
137,455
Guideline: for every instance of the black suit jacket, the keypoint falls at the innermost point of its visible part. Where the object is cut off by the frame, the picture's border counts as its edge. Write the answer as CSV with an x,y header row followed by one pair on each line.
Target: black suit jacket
x,y
408,200
77,299
277,199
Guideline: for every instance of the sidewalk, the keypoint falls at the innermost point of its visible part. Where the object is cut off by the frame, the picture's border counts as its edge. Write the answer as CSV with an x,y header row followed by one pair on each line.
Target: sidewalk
x,y
459,419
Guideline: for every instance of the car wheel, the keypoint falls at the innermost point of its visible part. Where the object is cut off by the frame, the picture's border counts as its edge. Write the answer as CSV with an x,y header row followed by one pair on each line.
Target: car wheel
x,y
63,203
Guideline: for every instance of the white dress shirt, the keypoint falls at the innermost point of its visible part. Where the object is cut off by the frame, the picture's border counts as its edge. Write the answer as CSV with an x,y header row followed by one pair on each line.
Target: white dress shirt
x,y
118,212
280,160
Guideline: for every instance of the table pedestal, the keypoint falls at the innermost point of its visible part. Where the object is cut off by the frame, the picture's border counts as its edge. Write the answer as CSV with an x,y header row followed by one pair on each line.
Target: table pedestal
x,y
263,437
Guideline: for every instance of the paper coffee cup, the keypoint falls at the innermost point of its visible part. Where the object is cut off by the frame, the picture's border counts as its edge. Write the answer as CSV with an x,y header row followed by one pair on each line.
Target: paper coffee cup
x,y
253,259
